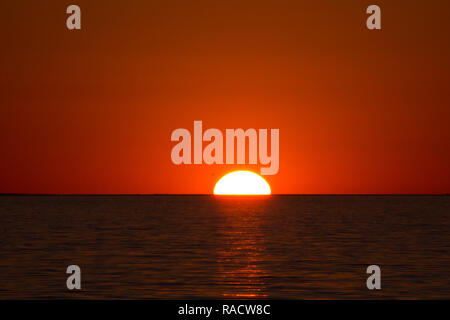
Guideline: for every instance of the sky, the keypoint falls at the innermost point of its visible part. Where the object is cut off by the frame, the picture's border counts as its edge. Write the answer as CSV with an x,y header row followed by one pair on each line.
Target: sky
x,y
92,110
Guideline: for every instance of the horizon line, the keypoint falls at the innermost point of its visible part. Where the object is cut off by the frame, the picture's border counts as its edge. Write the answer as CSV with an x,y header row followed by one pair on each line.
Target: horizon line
x,y
211,194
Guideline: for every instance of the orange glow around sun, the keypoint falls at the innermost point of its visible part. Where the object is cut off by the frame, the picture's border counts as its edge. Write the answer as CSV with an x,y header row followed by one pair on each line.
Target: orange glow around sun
x,y
242,183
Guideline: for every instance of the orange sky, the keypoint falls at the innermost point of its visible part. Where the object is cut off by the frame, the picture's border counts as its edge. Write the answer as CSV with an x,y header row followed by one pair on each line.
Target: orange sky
x,y
92,111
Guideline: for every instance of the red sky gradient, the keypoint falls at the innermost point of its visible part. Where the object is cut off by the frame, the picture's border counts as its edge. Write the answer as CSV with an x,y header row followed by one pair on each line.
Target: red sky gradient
x,y
92,111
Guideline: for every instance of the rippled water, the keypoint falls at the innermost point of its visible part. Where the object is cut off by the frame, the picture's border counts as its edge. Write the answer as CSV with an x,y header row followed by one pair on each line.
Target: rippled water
x,y
295,247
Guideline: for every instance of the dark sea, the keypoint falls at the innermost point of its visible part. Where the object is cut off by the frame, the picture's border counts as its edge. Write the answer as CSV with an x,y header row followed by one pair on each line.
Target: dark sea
x,y
189,247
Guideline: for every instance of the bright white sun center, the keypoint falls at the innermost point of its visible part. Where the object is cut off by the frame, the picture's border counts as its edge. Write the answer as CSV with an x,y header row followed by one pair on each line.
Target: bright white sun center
x,y
242,182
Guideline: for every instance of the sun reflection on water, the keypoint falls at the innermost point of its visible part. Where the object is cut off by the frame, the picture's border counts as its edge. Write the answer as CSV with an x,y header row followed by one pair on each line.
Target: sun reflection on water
x,y
240,257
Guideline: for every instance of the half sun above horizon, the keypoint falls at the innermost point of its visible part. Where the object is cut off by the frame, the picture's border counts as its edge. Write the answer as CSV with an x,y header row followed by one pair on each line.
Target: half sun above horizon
x,y
242,183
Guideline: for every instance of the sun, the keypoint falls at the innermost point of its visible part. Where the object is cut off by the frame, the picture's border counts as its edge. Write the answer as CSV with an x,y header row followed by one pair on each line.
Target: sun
x,y
242,182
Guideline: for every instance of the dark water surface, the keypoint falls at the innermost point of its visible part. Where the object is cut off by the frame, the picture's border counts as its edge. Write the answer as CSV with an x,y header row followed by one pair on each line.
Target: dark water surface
x,y
295,247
